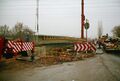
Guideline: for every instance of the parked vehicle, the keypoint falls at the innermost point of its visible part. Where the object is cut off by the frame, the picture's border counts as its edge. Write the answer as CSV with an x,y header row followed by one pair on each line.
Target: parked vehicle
x,y
111,44
12,48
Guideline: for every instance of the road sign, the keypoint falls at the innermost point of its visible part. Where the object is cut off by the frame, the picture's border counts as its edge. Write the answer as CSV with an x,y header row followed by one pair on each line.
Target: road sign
x,y
87,25
84,47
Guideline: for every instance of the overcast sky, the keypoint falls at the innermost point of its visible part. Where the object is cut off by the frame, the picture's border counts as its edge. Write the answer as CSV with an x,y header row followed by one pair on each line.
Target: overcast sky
x,y
61,17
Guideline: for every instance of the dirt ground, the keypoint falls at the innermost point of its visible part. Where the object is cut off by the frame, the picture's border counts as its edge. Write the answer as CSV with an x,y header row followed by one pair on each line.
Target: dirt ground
x,y
19,65
103,67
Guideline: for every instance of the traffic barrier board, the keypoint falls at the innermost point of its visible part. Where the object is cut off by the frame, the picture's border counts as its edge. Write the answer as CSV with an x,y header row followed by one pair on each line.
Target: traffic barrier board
x,y
20,46
87,46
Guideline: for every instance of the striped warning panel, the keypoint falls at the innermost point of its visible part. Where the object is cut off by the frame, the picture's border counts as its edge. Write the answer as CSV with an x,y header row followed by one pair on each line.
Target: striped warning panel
x,y
92,46
84,46
18,46
27,46
10,44
81,47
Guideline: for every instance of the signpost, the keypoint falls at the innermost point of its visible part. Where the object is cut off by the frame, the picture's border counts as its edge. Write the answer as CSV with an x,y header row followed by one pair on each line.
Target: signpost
x,y
87,25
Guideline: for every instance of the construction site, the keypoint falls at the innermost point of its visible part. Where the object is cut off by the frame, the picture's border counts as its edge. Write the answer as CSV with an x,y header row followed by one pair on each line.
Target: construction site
x,y
30,56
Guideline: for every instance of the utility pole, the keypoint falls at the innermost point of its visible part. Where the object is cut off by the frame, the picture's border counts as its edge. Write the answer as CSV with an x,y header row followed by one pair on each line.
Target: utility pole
x,y
82,20
37,16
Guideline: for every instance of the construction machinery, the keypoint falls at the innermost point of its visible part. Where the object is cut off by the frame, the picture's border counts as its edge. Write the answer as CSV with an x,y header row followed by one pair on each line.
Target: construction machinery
x,y
13,48
110,44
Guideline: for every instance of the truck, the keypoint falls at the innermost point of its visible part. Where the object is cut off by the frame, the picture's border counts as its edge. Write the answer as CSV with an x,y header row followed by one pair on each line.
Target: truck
x,y
13,48
111,45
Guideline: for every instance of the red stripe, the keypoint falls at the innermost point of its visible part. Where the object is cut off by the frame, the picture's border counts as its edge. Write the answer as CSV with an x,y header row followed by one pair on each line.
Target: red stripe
x,y
23,47
27,46
93,48
17,47
10,44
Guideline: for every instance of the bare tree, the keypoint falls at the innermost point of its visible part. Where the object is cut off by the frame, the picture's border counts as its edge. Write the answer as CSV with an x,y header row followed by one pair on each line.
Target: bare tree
x,y
4,30
18,31
100,29
28,33
19,27
21,31
116,31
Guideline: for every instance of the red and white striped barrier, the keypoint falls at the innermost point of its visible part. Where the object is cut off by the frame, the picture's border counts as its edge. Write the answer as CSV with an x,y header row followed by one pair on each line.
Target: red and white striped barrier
x,y
20,46
92,46
17,47
84,46
27,46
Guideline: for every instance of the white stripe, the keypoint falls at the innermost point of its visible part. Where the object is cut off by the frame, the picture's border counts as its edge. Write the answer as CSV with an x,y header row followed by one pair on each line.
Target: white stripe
x,y
75,47
82,47
78,45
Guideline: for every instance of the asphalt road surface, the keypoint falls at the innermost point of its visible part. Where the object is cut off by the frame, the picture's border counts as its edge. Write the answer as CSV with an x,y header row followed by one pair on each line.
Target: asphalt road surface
x,y
104,67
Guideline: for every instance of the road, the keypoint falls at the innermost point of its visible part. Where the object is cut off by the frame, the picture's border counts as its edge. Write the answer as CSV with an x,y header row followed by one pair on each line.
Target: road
x,y
104,67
